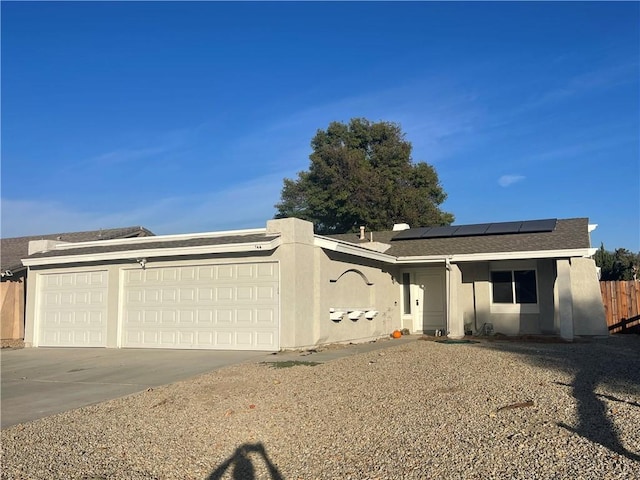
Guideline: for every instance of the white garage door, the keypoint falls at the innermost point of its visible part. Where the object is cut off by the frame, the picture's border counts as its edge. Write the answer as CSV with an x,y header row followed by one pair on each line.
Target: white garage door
x,y
224,307
73,309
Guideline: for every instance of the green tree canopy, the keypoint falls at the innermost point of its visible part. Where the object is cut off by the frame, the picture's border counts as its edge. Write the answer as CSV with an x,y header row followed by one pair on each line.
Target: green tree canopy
x,y
620,264
363,174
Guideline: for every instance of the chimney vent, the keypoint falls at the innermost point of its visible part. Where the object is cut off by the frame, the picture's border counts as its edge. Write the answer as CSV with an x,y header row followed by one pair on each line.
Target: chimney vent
x,y
362,233
400,226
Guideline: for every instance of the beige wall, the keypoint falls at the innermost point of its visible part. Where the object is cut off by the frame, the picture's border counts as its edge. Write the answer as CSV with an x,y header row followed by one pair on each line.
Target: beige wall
x,y
509,320
343,284
582,303
307,291
297,280
588,309
315,280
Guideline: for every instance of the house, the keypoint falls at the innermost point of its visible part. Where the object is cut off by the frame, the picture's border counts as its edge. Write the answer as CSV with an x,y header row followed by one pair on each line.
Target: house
x,y
14,274
283,287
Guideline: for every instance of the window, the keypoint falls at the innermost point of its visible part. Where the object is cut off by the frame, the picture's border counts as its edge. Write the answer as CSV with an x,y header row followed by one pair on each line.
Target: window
x,y
406,294
514,286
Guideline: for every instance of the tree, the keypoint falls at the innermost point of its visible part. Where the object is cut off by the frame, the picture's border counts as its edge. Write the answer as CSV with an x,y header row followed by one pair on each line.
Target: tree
x,y
363,174
618,265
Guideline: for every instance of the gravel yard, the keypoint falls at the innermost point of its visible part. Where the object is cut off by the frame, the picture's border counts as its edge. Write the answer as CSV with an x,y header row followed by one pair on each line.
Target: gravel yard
x,y
418,410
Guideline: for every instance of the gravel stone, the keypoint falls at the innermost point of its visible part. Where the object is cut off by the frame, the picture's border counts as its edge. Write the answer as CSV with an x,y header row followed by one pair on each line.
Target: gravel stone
x,y
421,410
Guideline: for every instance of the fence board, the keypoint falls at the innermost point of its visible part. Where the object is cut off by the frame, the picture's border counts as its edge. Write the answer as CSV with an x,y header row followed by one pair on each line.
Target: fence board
x,y
12,310
621,300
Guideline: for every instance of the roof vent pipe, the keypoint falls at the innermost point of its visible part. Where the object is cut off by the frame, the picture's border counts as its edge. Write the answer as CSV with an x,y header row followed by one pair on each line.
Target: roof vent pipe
x,y
362,233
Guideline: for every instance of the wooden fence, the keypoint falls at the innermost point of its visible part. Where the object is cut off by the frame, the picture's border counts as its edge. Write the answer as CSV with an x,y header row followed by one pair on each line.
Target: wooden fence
x,y
621,303
12,310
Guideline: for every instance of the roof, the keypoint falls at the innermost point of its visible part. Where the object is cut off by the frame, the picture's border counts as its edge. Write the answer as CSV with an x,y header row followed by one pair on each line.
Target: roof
x,y
569,238
12,250
161,243
144,249
568,234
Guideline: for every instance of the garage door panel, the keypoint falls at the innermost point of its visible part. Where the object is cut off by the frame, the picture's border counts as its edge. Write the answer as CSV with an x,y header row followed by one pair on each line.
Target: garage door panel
x,y
187,295
134,296
245,271
264,338
223,338
266,293
210,306
244,294
206,318
50,337
151,317
224,316
224,272
244,317
186,317
266,270
206,273
244,339
224,294
72,311
206,294
265,317
187,274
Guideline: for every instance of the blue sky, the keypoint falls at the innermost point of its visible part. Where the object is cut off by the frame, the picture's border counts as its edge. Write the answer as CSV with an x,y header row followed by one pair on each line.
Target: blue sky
x,y
186,117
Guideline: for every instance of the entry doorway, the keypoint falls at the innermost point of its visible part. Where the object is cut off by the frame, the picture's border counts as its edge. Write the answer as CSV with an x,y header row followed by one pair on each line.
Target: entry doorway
x,y
430,301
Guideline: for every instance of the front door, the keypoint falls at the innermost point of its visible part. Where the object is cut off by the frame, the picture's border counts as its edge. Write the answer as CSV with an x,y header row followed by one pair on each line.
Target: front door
x,y
431,302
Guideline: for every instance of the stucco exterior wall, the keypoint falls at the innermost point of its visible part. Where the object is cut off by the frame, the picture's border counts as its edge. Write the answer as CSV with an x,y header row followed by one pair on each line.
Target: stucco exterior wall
x,y
312,281
588,309
345,284
474,276
297,280
508,320
315,280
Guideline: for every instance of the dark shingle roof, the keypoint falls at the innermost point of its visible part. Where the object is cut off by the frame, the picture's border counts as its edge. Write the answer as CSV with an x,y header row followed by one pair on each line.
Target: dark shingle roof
x,y
189,242
569,234
12,250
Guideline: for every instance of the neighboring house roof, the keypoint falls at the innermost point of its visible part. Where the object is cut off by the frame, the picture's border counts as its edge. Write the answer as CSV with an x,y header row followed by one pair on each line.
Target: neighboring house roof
x,y
568,234
12,250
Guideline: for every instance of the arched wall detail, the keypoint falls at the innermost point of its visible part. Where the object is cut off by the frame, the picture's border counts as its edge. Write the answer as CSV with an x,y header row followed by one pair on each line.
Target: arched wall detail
x,y
354,270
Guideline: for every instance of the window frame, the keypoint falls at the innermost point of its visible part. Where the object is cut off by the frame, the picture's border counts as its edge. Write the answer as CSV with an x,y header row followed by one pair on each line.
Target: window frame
x,y
513,307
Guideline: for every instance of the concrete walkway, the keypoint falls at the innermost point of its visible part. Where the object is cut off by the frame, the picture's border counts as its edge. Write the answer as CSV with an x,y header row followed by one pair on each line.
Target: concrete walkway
x,y
38,382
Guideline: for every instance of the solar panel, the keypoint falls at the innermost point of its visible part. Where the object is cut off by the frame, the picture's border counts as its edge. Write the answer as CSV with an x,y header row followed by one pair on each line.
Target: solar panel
x,y
440,232
479,229
411,234
471,230
503,227
532,226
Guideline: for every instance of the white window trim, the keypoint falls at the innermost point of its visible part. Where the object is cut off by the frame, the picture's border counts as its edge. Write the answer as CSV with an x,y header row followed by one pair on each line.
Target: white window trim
x,y
514,308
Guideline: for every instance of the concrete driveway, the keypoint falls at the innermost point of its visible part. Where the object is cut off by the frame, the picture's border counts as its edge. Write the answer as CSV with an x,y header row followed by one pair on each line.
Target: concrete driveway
x,y
37,382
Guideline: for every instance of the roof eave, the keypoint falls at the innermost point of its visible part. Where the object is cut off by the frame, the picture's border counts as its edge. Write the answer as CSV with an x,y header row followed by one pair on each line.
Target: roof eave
x,y
158,238
351,249
156,253
523,255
